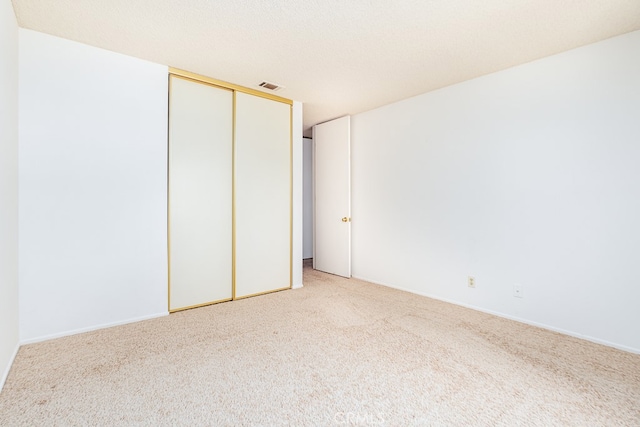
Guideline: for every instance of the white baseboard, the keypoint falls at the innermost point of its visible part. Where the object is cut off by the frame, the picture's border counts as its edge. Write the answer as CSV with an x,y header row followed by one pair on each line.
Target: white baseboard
x,y
297,286
507,316
91,328
5,374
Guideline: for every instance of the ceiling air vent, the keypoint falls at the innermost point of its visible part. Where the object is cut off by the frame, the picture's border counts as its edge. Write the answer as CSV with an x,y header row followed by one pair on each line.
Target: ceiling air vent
x,y
270,86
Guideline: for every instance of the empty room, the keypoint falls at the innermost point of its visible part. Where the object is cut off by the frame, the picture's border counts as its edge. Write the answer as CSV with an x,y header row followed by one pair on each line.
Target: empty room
x,y
413,213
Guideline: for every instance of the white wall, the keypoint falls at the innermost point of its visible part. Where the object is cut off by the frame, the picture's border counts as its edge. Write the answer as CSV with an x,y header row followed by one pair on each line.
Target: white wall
x,y
297,193
93,147
528,176
307,198
9,336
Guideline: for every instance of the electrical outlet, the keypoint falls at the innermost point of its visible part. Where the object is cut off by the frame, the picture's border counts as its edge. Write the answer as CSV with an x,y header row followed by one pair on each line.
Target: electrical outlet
x,y
471,282
518,291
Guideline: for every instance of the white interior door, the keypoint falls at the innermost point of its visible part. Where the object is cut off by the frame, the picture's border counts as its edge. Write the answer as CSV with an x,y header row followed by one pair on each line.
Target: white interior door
x,y
200,193
332,190
262,195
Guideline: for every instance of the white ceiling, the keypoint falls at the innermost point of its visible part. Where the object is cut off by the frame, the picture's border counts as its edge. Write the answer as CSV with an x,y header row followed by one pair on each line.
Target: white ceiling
x,y
337,56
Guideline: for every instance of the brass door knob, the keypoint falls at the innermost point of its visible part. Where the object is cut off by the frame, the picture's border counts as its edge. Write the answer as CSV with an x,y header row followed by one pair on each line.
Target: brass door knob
x,y
345,219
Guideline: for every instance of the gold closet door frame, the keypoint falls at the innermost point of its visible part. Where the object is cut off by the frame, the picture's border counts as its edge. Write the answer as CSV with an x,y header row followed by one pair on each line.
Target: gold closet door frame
x,y
170,76
187,75
227,85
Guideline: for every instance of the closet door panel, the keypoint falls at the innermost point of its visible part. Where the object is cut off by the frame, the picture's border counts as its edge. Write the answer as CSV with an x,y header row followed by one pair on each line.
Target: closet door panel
x,y
263,195
200,193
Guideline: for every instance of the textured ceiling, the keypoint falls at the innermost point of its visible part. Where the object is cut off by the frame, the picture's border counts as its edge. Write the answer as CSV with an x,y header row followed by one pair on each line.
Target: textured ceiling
x,y
337,56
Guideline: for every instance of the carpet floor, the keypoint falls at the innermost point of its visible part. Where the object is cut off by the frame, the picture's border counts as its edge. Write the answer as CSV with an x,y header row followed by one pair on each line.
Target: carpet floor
x,y
336,352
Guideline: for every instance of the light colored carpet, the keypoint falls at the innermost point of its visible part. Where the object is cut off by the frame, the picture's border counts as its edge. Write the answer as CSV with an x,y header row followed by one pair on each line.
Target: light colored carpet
x,y
336,352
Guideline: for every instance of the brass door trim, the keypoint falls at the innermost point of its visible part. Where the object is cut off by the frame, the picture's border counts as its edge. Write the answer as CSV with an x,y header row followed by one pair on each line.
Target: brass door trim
x,y
200,305
262,293
227,85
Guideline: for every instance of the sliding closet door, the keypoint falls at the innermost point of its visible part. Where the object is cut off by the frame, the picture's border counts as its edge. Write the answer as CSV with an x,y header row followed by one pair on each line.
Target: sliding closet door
x,y
200,193
263,195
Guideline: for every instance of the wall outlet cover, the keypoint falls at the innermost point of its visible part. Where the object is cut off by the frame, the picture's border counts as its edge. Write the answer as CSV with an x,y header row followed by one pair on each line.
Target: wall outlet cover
x,y
518,291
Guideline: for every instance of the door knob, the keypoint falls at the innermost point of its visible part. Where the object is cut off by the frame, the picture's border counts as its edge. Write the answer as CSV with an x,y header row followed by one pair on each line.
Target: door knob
x,y
345,219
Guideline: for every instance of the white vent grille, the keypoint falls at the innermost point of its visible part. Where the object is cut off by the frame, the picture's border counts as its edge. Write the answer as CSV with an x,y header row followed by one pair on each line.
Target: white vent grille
x,y
271,86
